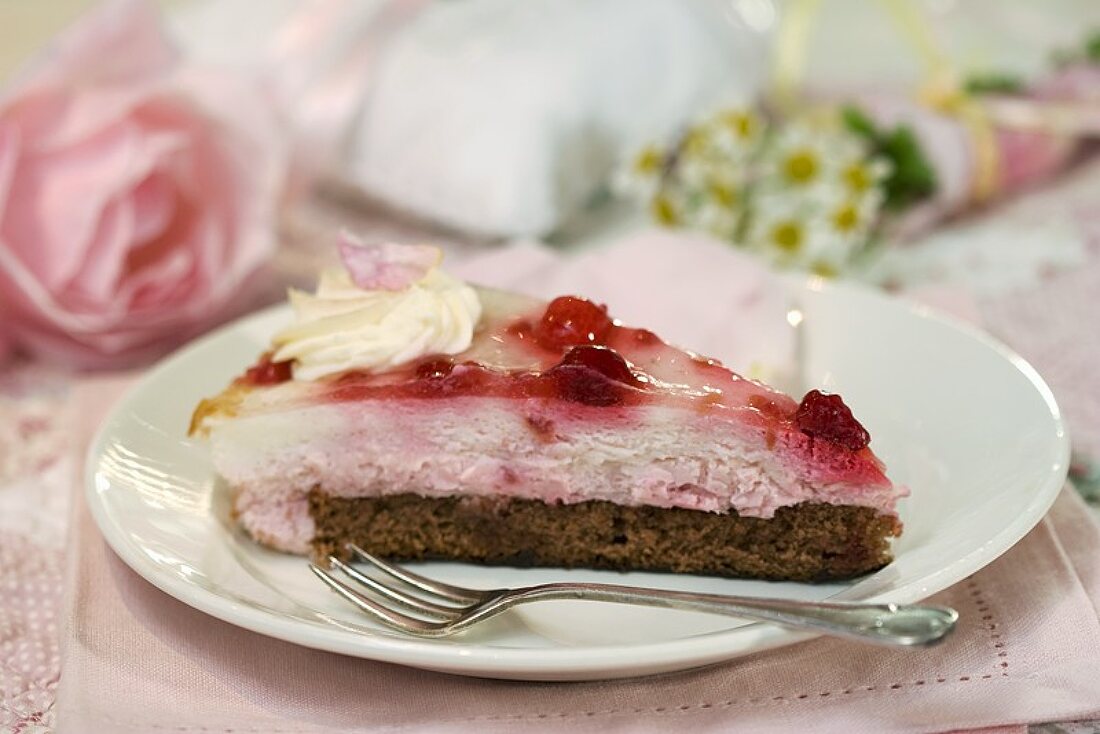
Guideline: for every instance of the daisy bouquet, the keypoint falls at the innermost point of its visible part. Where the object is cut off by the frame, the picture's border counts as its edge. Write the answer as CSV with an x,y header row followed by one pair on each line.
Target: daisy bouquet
x,y
806,194
820,189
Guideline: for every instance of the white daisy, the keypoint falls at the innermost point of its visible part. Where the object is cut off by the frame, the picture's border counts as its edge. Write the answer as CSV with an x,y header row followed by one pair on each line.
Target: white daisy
x,y
860,175
641,177
671,206
737,132
810,155
717,219
782,228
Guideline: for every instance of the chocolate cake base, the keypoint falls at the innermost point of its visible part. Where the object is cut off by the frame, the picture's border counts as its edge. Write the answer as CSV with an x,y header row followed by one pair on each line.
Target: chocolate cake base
x,y
806,542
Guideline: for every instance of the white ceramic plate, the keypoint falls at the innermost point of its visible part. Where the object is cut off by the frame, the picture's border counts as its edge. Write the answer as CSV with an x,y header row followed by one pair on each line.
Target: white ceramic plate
x,y
968,425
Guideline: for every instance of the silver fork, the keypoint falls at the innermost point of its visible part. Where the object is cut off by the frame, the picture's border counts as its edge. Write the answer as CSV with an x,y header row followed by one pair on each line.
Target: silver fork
x,y
440,609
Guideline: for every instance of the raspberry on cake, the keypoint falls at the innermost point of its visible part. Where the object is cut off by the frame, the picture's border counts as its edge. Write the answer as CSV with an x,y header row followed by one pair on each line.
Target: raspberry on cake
x,y
421,417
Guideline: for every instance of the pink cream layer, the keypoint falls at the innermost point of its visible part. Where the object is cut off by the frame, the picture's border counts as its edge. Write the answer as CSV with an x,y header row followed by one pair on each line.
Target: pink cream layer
x,y
650,455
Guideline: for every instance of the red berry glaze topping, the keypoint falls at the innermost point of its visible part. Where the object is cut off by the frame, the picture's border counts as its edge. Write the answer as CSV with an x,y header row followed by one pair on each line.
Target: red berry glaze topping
x,y
584,385
522,330
570,322
769,408
825,416
593,375
435,368
604,360
461,379
266,372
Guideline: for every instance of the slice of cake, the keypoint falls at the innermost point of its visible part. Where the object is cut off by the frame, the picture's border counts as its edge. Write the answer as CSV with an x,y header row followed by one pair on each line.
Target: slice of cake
x,y
420,417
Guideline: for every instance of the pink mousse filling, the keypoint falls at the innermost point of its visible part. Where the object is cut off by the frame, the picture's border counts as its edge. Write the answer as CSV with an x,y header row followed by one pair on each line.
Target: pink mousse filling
x,y
652,455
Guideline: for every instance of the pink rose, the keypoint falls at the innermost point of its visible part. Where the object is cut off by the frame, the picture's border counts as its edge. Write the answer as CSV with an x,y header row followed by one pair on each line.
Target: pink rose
x,y
137,195
5,346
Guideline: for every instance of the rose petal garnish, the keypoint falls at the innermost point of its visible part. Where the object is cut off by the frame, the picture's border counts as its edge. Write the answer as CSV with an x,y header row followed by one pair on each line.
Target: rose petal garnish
x,y
386,266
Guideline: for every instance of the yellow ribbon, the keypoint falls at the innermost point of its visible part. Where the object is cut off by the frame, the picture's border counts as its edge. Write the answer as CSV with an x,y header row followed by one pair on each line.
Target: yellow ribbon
x,y
789,61
940,91
987,156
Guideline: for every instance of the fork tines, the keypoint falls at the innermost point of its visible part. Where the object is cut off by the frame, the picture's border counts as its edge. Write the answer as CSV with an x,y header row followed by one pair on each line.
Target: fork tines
x,y
435,604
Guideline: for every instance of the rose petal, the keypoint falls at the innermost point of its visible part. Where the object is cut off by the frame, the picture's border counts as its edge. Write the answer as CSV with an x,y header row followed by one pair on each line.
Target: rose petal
x,y
43,320
244,134
214,171
162,281
154,202
98,278
387,266
25,295
55,118
52,215
219,185
91,76
9,157
119,43
237,179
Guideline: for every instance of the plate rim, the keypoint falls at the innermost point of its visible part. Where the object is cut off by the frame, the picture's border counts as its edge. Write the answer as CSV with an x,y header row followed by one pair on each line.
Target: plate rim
x,y
590,662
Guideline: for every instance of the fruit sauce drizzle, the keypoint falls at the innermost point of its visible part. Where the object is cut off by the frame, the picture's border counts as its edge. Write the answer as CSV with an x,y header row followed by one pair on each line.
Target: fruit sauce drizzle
x,y
574,351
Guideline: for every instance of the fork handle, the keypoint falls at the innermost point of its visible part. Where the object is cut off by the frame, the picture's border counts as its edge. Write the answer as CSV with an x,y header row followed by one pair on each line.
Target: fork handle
x,y
884,624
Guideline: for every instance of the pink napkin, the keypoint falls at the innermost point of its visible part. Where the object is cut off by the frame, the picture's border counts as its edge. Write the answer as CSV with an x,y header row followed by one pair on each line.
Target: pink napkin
x,y
136,660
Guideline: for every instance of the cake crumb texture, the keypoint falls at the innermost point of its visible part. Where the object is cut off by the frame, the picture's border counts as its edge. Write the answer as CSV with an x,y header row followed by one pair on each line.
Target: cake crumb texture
x,y
804,542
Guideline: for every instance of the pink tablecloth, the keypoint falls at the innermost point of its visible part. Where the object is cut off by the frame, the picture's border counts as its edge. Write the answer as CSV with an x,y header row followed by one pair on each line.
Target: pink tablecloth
x,y
1029,639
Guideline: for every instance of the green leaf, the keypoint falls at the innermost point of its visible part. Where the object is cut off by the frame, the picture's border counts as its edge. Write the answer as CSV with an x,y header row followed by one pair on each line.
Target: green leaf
x,y
1088,51
911,178
1092,47
858,122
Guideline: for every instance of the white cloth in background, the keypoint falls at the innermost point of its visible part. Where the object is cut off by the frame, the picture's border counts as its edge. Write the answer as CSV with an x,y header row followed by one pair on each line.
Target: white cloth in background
x,y
496,117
